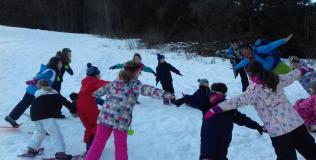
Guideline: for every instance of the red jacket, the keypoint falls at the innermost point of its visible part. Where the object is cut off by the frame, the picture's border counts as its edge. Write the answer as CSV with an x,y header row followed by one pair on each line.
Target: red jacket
x,y
87,106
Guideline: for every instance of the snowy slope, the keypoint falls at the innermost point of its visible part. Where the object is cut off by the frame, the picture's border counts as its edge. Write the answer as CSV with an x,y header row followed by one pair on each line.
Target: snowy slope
x,y
161,132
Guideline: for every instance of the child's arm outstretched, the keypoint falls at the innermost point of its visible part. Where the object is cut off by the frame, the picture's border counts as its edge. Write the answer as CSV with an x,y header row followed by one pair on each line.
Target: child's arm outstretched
x,y
68,69
102,91
242,120
147,90
72,109
266,49
173,69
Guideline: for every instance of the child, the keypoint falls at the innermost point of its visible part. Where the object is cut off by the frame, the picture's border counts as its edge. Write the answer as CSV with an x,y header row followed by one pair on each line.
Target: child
x,y
43,111
234,54
283,123
164,76
65,56
216,133
47,72
307,108
137,59
265,53
86,104
308,76
116,115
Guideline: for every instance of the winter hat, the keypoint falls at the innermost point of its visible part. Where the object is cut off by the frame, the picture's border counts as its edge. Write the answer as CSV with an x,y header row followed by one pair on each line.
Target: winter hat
x,y
219,87
92,70
159,57
202,81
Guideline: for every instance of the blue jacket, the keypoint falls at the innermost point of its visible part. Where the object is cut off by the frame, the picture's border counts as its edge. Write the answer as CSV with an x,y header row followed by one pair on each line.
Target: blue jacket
x,y
267,62
44,73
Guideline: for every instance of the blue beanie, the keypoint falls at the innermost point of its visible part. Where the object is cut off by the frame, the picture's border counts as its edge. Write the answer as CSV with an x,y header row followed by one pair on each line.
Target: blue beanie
x,y
159,57
92,70
202,81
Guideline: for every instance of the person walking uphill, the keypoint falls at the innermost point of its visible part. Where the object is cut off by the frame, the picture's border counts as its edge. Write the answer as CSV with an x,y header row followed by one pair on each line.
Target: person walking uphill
x,y
116,115
86,104
43,111
164,75
47,72
137,59
282,122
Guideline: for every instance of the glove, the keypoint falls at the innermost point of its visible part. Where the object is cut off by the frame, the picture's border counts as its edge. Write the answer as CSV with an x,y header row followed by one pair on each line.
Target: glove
x,y
261,130
31,82
113,67
211,112
154,73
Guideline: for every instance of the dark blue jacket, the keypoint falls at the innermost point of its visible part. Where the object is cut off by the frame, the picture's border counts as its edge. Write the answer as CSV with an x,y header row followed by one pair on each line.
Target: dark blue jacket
x,y
163,72
221,124
47,105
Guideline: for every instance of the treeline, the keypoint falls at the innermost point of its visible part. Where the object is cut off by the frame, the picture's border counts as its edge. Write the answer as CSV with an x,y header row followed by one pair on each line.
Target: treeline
x,y
159,21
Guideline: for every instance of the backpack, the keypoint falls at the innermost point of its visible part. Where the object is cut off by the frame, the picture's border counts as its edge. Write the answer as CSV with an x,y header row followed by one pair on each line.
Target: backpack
x,y
275,53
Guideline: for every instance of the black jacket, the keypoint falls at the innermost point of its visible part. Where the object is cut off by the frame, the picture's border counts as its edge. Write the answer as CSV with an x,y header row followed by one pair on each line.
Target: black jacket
x,y
220,124
47,105
163,72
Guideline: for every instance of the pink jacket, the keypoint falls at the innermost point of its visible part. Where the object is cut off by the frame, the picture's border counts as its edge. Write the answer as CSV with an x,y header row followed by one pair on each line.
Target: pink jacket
x,y
307,109
274,109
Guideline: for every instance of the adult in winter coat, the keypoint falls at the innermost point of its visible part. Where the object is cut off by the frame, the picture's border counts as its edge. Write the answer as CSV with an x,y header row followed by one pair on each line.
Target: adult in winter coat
x,y
163,71
307,108
47,72
116,115
137,59
65,56
44,110
266,55
235,56
283,123
86,104
216,133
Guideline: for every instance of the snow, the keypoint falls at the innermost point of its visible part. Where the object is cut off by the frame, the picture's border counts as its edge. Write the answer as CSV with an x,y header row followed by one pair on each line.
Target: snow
x,y
161,132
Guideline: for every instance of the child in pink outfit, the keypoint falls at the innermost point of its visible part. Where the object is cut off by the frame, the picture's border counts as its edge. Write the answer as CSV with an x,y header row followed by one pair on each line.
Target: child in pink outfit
x,y
116,115
307,108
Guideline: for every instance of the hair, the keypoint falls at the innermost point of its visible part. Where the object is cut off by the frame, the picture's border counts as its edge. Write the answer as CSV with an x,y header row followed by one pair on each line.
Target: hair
x,y
268,78
63,55
137,55
245,46
234,40
313,87
44,84
53,63
128,73
219,87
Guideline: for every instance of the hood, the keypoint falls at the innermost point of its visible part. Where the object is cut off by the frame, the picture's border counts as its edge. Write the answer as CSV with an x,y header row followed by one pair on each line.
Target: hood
x,y
43,67
41,92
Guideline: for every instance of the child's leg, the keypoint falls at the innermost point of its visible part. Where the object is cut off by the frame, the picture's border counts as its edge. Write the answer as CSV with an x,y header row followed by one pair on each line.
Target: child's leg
x,y
222,147
284,147
244,79
20,108
100,139
38,136
305,143
52,128
120,142
208,147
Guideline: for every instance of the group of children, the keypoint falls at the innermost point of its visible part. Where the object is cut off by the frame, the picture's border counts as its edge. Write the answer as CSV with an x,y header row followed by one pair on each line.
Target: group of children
x,y
265,93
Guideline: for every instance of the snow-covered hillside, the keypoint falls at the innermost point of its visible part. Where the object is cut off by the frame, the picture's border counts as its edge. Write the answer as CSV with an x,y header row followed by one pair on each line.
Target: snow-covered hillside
x,y
161,132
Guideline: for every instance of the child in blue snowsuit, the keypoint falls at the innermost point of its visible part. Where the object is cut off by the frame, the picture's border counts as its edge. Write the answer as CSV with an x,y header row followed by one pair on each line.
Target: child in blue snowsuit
x,y
216,133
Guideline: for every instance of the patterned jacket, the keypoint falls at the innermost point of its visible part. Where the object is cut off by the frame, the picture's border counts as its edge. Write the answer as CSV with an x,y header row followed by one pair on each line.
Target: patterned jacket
x,y
274,109
120,100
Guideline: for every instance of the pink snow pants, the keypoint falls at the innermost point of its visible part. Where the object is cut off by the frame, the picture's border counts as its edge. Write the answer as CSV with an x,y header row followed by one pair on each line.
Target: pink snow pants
x,y
102,135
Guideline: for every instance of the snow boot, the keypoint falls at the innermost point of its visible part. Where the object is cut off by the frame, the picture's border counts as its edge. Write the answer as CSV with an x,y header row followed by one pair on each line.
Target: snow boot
x,y
12,122
63,156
